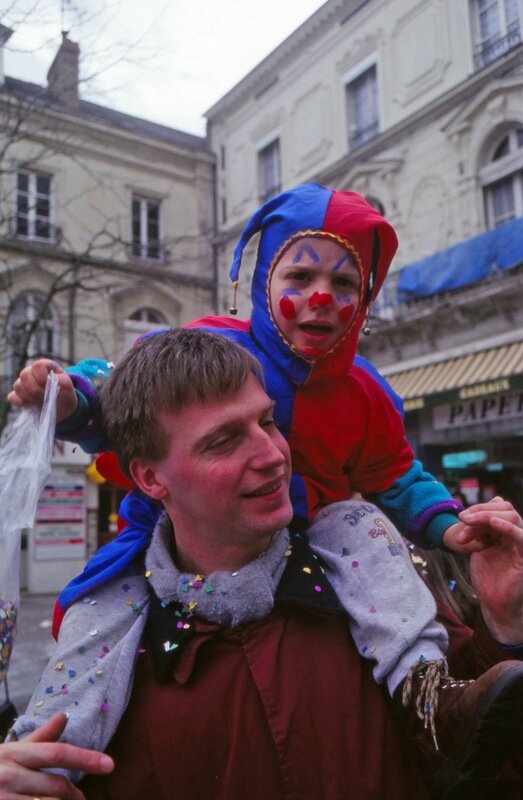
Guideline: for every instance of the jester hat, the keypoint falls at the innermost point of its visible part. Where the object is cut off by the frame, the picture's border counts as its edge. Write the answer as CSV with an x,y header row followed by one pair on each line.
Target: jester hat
x,y
315,210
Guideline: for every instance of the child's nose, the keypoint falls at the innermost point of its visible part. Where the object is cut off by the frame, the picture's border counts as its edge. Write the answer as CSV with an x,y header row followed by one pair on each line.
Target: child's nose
x,y
320,300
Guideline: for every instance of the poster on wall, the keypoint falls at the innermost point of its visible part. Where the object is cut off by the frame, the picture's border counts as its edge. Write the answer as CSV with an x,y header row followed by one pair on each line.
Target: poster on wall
x,y
59,530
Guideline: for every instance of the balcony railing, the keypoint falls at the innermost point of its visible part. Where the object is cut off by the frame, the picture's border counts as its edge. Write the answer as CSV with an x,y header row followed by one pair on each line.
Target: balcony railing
x,y
151,253
39,231
391,304
494,48
361,136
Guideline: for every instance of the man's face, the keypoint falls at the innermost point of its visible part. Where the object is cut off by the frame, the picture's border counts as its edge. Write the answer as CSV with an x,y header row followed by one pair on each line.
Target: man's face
x,y
226,475
314,294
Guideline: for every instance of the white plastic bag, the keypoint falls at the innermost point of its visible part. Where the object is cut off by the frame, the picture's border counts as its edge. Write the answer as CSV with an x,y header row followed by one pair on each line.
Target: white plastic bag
x,y
25,462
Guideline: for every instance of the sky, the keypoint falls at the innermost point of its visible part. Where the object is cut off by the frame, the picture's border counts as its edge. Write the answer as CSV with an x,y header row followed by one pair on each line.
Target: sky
x,y
164,60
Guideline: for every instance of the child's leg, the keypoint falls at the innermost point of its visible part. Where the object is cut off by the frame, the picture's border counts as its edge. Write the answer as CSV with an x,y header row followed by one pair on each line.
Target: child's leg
x,y
391,611
477,725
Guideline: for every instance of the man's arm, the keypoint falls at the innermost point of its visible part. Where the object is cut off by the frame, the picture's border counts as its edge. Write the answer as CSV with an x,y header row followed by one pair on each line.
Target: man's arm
x,y
21,764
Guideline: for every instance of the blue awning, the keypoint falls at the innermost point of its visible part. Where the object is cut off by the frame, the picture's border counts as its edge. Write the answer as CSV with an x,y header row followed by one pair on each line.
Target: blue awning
x,y
467,262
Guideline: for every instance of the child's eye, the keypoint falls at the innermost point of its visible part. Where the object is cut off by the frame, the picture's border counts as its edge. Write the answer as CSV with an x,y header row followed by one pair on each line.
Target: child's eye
x,y
298,276
346,282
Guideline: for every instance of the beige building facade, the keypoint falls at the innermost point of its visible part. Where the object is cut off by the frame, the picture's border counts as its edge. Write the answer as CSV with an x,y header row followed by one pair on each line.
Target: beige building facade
x,y
418,105
106,225
111,225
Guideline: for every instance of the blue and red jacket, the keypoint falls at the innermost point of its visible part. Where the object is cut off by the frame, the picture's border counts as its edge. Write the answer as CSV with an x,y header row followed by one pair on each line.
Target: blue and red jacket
x,y
341,419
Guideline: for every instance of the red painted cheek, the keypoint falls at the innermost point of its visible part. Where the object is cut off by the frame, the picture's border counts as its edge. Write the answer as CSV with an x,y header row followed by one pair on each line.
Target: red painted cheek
x,y
287,308
346,314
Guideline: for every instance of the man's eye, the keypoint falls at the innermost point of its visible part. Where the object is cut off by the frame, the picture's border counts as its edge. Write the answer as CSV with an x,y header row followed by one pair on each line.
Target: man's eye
x,y
268,423
222,443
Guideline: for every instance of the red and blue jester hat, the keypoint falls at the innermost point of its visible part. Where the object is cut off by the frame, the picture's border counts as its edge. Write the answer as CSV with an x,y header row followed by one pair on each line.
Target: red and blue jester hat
x,y
314,210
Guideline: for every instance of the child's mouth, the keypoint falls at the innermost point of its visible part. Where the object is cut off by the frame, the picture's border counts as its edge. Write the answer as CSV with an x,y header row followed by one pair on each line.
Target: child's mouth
x,y
313,329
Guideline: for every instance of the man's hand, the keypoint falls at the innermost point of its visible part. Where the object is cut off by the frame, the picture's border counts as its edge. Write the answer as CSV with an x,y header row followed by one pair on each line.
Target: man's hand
x,y
463,539
496,571
21,762
29,388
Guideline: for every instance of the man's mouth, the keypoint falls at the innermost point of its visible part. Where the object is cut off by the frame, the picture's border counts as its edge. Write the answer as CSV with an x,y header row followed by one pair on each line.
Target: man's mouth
x,y
267,488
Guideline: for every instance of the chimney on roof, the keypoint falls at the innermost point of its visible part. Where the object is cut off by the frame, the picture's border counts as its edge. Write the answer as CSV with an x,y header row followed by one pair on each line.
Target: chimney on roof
x,y
5,33
63,75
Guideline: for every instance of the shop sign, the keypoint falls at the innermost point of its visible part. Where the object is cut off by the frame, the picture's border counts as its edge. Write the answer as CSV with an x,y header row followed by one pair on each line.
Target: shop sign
x,y
492,387
59,530
478,410
480,389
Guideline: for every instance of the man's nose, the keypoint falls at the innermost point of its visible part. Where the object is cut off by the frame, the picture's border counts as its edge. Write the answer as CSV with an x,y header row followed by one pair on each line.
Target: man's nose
x,y
269,451
320,300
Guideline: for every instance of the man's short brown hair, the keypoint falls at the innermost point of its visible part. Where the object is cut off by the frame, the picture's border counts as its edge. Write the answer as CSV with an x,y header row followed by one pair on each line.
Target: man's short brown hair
x,y
164,373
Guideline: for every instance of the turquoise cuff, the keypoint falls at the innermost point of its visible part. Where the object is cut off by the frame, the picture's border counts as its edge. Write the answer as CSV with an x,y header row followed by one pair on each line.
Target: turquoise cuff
x,y
437,527
76,421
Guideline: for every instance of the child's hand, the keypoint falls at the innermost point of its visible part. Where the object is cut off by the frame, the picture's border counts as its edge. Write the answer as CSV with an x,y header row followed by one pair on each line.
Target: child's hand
x,y
29,388
474,532
462,538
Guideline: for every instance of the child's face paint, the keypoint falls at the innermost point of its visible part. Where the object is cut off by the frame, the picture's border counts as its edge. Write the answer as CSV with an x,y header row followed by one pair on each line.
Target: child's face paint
x,y
314,294
287,308
320,300
346,314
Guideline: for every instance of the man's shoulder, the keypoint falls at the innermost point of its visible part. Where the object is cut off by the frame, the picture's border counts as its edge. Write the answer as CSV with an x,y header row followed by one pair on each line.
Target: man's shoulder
x,y
111,605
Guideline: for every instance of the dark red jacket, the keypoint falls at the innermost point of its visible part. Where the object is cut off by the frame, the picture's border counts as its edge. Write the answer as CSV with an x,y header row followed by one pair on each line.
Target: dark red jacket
x,y
278,709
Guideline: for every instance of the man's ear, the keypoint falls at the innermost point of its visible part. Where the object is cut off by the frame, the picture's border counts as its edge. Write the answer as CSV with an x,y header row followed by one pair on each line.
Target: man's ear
x,y
148,478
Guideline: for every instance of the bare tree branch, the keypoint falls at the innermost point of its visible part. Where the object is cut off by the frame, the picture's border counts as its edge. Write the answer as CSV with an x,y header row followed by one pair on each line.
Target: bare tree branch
x,y
60,275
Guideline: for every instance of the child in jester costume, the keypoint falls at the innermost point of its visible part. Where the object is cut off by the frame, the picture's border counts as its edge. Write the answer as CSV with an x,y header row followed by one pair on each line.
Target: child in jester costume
x,y
322,258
